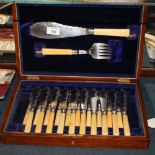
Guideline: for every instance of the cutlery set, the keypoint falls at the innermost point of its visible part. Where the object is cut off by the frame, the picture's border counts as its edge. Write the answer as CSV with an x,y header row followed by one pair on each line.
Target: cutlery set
x,y
52,30
77,108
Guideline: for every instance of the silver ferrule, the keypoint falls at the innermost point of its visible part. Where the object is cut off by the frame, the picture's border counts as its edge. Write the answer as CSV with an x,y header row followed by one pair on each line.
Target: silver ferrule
x,y
124,112
89,109
63,110
94,111
82,52
52,109
83,111
74,52
104,112
73,111
90,31
114,112
118,109
109,108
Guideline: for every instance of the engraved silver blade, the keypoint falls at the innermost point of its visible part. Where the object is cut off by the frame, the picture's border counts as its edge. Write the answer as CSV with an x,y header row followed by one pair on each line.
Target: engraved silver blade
x,y
52,30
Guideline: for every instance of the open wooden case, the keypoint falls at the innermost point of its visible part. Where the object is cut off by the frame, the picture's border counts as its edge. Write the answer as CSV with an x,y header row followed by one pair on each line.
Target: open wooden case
x,y
35,69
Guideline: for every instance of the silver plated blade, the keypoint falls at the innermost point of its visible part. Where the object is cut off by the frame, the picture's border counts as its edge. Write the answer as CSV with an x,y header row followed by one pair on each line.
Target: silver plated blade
x,y
52,30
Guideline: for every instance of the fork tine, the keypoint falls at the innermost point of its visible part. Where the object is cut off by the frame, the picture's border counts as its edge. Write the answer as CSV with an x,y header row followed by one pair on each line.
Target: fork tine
x,y
103,57
101,51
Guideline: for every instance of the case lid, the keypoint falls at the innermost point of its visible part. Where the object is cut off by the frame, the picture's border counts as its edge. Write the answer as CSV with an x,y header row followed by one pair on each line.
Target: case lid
x,y
66,40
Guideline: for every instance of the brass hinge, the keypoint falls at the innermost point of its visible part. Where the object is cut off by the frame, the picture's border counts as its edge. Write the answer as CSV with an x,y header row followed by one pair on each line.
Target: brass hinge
x,y
122,80
33,78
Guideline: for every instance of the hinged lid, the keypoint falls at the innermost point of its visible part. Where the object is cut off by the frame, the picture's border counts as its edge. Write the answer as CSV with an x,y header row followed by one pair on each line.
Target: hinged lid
x,y
61,41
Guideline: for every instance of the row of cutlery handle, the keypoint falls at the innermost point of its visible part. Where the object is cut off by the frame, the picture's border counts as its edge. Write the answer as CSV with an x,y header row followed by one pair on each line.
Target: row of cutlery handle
x,y
72,119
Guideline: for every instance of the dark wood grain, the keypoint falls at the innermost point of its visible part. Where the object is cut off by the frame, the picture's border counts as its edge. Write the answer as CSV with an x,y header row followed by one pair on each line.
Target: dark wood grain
x,y
142,40
8,65
85,141
16,36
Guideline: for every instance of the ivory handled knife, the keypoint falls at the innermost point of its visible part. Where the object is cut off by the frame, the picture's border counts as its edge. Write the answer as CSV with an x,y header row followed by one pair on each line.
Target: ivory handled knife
x,y
50,113
43,105
30,115
62,116
31,97
84,101
119,110
125,116
109,110
52,30
114,116
93,99
73,104
103,101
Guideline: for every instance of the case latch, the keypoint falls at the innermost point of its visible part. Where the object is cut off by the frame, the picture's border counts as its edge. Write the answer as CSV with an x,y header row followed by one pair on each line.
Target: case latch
x,y
33,78
122,80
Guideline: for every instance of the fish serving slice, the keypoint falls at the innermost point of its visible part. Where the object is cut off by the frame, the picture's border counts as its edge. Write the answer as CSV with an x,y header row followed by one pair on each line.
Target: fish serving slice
x,y
53,30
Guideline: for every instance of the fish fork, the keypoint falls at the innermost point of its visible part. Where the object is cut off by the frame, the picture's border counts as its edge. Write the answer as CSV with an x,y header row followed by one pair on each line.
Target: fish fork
x,y
97,51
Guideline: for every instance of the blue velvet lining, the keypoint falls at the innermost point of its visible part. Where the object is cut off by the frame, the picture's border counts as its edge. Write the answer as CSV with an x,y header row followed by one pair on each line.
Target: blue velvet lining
x,y
21,103
124,58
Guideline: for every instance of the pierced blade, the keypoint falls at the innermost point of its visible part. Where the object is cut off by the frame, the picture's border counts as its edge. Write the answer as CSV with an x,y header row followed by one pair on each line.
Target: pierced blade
x,y
94,99
52,30
103,100
84,98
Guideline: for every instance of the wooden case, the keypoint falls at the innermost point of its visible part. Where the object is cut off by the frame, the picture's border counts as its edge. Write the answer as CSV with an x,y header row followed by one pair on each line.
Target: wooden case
x,y
14,137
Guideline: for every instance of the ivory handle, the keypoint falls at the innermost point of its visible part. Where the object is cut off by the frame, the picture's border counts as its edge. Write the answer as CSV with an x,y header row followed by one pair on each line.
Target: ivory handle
x,y
77,118
104,125
93,125
112,32
61,124
88,121
26,116
109,119
50,122
36,117
115,125
99,119
72,123
40,122
29,122
68,116
50,51
126,125
83,124
57,118
120,121
47,117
